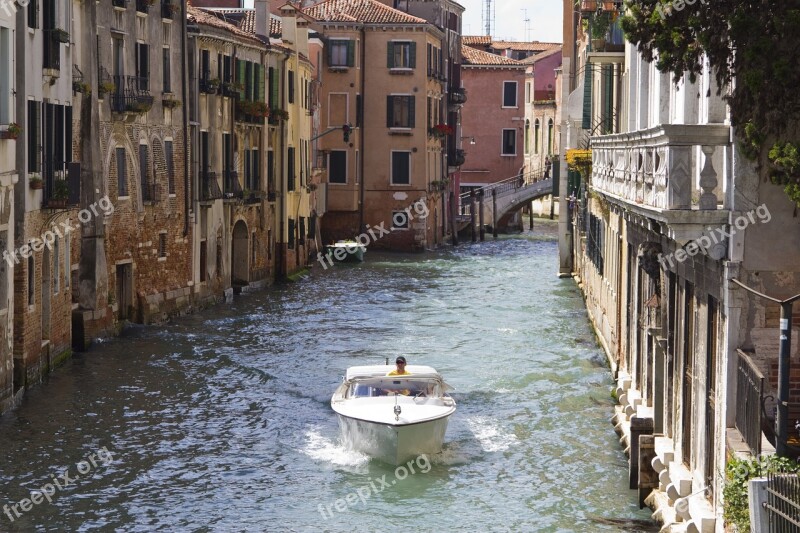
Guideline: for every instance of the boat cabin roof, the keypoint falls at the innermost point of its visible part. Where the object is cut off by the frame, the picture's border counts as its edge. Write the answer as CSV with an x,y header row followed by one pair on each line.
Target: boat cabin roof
x,y
375,371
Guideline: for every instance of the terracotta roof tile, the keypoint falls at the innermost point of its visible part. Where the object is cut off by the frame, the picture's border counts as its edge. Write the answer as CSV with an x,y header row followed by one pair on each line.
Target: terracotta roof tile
x,y
473,56
205,18
479,40
366,11
541,55
529,46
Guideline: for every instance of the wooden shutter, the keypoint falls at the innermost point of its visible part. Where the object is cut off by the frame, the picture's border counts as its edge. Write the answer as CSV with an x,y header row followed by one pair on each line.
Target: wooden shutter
x,y
587,99
291,86
359,110
34,138
260,94
412,55
351,53
143,66
68,134
412,118
240,77
389,111
390,54
273,89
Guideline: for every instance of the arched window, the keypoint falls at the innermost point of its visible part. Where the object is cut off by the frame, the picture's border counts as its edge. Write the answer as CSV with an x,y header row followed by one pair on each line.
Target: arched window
x,y
537,132
527,136
550,136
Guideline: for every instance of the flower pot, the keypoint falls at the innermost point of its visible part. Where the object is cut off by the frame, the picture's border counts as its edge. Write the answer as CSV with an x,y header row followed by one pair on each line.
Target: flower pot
x,y
36,184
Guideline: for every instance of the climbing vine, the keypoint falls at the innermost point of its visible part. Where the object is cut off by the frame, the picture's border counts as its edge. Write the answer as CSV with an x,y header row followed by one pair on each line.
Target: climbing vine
x,y
752,47
580,161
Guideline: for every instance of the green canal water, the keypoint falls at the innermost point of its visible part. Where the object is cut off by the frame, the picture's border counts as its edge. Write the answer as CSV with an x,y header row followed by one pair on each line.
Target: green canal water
x,y
220,421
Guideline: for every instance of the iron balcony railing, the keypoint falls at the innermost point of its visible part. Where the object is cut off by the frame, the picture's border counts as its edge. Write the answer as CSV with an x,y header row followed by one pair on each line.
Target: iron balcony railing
x,y
750,391
458,96
232,187
207,84
210,186
131,94
52,48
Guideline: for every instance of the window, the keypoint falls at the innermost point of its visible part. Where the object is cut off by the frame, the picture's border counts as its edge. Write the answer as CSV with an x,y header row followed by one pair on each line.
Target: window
x,y
509,142
271,171
33,14
56,267
67,262
341,53
527,136
401,168
122,179
400,111
550,135
162,245
509,94
170,166
291,86
274,102
399,220
5,75
143,66
255,170
31,281
537,132
337,166
402,54
528,93
301,231
290,244
34,136
167,73
203,260
402,5
143,168
290,165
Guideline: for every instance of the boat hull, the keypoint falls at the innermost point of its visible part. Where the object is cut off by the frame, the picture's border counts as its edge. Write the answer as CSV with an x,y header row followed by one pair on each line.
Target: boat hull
x,y
353,253
394,444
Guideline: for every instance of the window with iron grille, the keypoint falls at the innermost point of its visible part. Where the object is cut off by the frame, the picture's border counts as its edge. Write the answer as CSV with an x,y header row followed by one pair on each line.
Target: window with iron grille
x,y
170,166
162,244
122,178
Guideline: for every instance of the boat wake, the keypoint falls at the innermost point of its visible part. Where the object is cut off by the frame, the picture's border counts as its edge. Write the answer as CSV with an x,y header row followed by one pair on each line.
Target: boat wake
x,y
321,448
490,435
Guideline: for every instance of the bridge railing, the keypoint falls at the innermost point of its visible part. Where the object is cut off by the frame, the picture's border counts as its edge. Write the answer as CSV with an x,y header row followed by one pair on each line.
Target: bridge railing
x,y
509,184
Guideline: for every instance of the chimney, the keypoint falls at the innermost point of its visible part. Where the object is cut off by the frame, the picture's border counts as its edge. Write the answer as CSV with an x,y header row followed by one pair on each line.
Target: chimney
x,y
302,35
262,19
289,23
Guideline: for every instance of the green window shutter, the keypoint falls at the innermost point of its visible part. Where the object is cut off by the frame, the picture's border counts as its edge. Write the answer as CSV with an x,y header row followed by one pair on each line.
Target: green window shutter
x,y
389,111
587,98
260,78
273,88
413,54
240,76
351,53
390,54
412,112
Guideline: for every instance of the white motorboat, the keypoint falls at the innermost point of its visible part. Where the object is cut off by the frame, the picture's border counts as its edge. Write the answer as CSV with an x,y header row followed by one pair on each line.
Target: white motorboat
x,y
393,418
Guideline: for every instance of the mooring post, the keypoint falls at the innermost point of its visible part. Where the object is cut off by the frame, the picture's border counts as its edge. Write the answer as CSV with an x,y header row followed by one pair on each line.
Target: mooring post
x,y
472,215
494,213
530,215
480,216
453,224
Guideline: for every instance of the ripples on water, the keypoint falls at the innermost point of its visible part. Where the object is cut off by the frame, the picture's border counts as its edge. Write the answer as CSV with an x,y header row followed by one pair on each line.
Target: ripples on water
x,y
221,421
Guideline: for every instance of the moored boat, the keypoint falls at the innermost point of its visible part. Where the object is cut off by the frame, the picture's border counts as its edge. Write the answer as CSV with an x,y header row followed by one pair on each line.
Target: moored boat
x,y
346,251
393,418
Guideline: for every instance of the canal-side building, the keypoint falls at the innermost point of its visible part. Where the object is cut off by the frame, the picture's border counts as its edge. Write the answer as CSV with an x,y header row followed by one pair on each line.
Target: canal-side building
x,y
670,215
541,128
493,124
45,193
229,110
382,74
9,175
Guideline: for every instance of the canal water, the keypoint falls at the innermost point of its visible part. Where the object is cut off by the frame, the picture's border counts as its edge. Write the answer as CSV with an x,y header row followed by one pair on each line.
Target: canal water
x,y
221,421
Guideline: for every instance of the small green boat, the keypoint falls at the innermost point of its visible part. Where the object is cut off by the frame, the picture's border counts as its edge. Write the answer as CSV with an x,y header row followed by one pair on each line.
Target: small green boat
x,y
346,252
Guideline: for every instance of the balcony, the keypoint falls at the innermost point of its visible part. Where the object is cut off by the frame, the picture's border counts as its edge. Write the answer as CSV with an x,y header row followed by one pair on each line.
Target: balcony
x,y
131,95
458,158
458,96
210,187
232,187
208,85
53,39
654,172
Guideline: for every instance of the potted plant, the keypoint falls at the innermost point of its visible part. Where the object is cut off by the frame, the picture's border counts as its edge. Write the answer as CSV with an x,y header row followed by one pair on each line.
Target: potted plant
x,y
171,103
106,87
139,106
36,183
60,194
61,36
81,87
11,132
232,88
441,130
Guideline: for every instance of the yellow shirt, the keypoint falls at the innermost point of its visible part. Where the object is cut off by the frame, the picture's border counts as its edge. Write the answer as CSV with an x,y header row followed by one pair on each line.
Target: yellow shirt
x,y
396,372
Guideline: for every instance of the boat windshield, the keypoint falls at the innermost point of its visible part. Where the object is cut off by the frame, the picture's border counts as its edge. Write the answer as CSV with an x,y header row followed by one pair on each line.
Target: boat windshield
x,y
392,385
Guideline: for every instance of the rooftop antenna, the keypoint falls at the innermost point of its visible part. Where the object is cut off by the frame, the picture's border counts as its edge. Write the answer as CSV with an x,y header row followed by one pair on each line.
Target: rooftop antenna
x,y
527,22
488,17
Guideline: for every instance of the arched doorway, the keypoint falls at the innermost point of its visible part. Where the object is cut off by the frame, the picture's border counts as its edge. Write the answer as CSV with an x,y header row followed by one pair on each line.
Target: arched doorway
x,y
239,269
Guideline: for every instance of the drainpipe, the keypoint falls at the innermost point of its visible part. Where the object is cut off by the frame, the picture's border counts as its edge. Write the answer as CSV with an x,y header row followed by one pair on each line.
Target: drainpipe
x,y
185,97
282,198
362,179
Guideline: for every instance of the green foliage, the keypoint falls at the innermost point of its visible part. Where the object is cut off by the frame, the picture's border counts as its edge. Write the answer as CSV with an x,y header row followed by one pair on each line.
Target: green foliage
x,y
751,42
738,472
